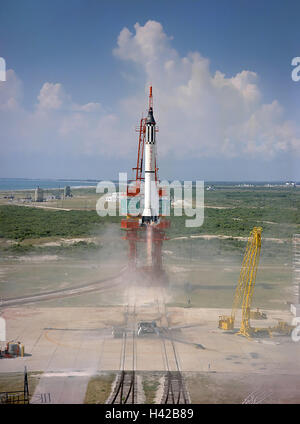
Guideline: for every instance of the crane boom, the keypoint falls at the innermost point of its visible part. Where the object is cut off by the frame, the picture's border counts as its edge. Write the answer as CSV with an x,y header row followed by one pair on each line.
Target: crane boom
x,y
253,253
245,286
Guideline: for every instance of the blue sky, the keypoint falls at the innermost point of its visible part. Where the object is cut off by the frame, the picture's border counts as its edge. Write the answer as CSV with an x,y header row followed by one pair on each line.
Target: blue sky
x,y
75,93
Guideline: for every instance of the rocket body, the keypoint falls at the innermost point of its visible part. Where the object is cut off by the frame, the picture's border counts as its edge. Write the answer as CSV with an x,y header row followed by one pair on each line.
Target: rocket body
x,y
151,212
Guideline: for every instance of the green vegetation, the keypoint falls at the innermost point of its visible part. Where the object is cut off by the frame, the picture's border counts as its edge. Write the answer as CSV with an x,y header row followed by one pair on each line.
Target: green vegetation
x,y
234,212
98,389
231,211
207,272
237,222
215,389
21,223
72,250
234,387
204,270
150,386
259,197
10,382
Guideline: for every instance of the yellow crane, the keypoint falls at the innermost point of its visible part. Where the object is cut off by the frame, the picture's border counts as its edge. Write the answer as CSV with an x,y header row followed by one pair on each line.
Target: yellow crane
x,y
245,287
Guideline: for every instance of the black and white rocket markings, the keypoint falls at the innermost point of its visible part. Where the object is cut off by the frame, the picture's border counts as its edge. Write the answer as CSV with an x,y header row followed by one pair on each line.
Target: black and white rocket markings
x,y
151,208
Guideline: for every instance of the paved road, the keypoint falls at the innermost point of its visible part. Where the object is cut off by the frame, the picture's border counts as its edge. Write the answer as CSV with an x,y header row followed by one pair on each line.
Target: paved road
x,y
63,387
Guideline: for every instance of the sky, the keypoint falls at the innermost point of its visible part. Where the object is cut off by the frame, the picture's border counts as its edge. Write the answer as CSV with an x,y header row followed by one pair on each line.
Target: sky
x,y
78,74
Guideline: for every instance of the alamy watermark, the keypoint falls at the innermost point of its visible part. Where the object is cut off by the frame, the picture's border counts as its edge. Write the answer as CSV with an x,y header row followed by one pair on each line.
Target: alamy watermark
x,y
2,330
296,331
186,198
2,69
296,71
296,287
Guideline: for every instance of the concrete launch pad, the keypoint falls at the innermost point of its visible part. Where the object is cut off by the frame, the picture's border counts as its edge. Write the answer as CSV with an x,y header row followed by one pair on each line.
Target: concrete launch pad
x,y
80,339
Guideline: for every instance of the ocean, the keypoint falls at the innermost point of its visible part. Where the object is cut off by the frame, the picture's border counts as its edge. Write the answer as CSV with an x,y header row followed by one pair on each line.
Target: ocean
x,y
11,184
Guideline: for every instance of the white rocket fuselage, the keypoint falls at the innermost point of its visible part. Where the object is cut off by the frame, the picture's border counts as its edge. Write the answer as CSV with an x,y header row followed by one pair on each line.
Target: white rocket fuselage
x,y
150,213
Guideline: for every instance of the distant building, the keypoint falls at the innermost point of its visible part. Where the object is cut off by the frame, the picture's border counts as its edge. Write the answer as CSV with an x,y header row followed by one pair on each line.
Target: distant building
x,y
290,184
50,197
25,199
67,191
38,195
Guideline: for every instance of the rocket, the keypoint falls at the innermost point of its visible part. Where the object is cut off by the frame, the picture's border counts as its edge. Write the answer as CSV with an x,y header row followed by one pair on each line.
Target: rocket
x,y
151,202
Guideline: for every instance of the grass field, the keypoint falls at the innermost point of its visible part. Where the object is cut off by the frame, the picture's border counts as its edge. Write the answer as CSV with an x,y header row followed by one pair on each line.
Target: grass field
x,y
235,387
207,272
150,386
10,382
276,210
23,278
204,270
99,389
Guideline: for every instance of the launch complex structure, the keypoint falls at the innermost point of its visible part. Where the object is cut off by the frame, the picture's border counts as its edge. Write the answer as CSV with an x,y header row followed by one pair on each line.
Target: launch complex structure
x,y
149,226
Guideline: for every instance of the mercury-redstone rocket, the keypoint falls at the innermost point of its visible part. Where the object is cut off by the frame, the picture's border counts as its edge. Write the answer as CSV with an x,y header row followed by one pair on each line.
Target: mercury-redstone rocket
x,y
148,227
151,200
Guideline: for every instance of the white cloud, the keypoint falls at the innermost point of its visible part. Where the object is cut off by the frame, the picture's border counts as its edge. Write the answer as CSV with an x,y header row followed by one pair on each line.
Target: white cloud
x,y
52,96
11,92
88,107
56,123
147,46
200,114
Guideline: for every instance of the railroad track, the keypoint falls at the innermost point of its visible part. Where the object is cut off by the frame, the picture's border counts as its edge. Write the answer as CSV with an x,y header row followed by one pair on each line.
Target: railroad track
x,y
125,388
174,390
174,386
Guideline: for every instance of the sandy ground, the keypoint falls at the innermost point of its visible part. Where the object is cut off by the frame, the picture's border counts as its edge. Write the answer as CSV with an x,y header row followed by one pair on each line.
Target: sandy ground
x,y
34,205
54,241
70,241
223,237
38,258
72,344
